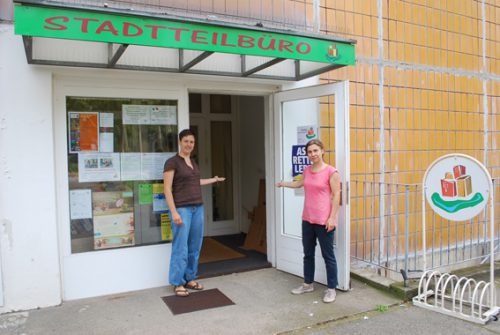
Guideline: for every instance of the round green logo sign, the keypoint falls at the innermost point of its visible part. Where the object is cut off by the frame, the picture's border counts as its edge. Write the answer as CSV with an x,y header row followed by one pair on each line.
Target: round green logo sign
x,y
457,187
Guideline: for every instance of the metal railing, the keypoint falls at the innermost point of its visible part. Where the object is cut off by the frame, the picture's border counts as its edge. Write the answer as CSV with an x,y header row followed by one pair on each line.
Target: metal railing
x,y
386,231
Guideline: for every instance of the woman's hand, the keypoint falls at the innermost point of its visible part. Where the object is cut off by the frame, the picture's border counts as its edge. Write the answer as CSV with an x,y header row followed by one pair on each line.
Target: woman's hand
x,y
177,218
213,180
331,224
291,184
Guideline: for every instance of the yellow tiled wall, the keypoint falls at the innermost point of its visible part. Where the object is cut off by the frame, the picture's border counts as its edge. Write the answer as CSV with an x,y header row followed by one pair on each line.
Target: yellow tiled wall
x,y
432,58
437,84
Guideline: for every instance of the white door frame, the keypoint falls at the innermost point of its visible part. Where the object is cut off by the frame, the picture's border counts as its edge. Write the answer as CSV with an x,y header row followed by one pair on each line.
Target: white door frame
x,y
83,266
289,252
96,273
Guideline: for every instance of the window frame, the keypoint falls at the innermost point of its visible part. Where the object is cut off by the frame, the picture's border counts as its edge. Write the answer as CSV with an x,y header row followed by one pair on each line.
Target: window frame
x,y
111,88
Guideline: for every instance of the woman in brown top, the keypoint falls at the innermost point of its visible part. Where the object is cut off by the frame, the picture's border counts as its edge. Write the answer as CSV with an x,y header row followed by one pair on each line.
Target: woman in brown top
x,y
181,182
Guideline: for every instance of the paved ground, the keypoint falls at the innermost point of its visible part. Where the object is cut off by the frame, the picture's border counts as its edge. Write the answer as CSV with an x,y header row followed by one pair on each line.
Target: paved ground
x,y
263,305
401,319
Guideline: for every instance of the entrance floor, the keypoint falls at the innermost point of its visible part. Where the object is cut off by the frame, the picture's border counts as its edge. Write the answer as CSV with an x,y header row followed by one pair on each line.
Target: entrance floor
x,y
252,259
263,305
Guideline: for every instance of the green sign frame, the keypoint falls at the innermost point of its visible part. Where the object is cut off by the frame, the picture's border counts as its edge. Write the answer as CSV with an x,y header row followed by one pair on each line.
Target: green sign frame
x,y
86,25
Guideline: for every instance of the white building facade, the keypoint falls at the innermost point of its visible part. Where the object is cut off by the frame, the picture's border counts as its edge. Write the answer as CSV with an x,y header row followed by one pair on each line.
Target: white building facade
x,y
86,123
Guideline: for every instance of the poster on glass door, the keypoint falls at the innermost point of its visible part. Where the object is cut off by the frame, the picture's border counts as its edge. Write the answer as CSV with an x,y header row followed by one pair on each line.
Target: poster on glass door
x,y
113,219
306,133
299,161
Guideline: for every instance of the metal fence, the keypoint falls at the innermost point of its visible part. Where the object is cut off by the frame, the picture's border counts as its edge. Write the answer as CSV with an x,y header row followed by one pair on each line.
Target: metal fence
x,y
386,231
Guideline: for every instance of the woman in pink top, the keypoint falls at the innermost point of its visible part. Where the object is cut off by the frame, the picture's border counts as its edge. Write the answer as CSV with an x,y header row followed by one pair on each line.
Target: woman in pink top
x,y
321,184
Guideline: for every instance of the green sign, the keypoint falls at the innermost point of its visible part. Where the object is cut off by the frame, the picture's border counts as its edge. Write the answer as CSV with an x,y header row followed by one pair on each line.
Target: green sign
x,y
135,30
145,194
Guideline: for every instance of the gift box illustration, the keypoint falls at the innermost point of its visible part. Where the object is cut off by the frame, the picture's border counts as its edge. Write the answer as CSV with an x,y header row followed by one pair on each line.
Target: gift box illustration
x,y
464,186
456,184
458,171
449,185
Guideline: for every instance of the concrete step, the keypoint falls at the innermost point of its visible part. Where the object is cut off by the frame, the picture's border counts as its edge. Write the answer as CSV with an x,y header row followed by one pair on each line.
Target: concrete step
x,y
406,290
401,289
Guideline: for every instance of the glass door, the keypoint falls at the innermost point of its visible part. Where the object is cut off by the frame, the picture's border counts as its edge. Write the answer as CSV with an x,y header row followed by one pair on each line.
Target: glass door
x,y
214,153
221,152
302,114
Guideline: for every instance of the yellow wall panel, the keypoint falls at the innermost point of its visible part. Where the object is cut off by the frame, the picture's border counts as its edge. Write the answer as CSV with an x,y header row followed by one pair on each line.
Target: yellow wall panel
x,y
433,91
324,137
324,115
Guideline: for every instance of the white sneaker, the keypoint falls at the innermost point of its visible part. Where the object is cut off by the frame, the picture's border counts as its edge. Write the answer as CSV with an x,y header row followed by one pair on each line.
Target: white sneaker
x,y
304,288
330,295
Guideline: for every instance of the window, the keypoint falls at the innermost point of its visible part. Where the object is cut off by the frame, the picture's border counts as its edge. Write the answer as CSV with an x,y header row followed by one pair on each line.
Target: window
x,y
220,104
116,151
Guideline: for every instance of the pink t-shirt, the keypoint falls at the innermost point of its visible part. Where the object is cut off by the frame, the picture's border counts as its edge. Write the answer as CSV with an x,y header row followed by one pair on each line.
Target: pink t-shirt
x,y
318,195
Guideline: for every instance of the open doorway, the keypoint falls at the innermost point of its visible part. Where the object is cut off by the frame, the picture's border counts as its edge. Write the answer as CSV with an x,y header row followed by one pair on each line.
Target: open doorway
x,y
230,143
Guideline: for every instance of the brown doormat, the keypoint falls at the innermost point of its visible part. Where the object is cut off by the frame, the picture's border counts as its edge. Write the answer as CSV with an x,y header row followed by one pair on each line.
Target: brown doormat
x,y
213,251
197,301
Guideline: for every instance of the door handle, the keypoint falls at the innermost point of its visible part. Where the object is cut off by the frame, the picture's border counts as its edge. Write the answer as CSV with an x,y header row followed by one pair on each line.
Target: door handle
x,y
347,192
341,200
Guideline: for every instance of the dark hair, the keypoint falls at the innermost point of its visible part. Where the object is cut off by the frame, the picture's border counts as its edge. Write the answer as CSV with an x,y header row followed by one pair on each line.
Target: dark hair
x,y
315,142
184,133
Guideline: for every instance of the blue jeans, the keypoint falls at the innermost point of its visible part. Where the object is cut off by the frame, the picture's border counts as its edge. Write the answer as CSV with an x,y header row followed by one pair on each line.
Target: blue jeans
x,y
311,232
186,245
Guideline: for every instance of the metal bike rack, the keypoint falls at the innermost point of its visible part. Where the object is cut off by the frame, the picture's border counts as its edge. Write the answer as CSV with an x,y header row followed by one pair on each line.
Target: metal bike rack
x,y
460,297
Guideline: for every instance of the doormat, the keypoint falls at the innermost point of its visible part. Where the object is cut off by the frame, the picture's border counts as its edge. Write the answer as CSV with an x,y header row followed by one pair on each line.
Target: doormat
x,y
213,251
197,301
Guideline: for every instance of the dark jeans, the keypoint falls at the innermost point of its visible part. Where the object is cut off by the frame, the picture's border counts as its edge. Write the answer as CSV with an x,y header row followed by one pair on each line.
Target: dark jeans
x,y
311,232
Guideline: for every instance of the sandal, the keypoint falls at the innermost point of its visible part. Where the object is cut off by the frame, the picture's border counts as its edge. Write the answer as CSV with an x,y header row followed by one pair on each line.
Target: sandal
x,y
180,291
192,285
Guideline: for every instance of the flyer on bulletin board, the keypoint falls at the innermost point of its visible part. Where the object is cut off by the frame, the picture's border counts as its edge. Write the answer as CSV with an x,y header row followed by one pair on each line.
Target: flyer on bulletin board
x,y
145,194
146,114
143,166
152,164
106,132
166,229
94,167
114,224
83,131
159,201
130,164
80,204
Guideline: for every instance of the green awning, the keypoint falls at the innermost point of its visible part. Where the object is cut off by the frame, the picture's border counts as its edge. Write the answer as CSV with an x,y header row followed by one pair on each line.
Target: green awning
x,y
103,38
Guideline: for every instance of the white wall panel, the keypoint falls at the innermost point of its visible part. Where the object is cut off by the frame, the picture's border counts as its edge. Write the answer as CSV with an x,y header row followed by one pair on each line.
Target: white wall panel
x,y
28,234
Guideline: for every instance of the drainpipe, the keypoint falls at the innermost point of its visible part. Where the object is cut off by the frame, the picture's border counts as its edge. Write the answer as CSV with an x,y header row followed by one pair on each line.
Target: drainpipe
x,y
485,86
380,4
316,16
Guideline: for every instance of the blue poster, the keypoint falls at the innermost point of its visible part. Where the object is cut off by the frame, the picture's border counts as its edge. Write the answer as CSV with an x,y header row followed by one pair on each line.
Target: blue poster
x,y
299,160
159,203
